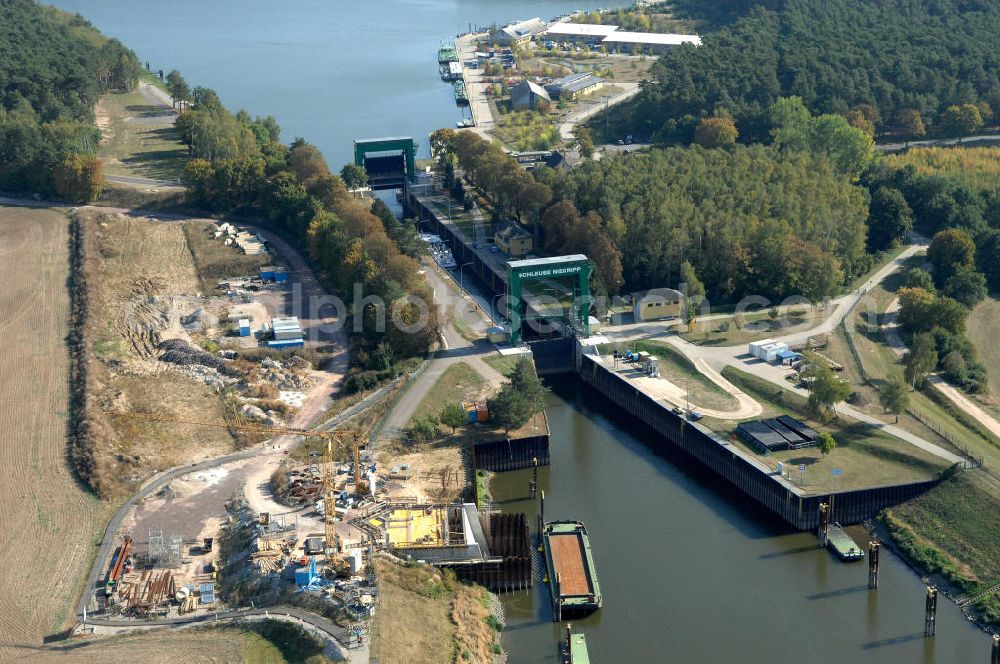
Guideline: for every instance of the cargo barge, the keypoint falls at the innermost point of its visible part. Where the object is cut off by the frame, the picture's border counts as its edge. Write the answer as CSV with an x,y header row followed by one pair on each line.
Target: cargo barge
x,y
842,544
447,54
572,577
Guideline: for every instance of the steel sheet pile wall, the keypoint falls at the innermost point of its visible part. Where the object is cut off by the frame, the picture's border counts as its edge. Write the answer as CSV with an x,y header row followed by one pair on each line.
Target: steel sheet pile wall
x,y
798,509
504,455
509,537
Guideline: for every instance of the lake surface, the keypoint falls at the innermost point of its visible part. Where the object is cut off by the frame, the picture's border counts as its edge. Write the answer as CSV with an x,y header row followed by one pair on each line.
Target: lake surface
x,y
692,571
330,72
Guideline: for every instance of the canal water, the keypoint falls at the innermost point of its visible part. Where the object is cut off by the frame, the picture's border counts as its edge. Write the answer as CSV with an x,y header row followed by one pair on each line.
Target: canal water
x,y
329,72
691,571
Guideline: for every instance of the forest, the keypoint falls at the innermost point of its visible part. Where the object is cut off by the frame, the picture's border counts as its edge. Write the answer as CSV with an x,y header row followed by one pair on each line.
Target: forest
x,y
906,59
53,67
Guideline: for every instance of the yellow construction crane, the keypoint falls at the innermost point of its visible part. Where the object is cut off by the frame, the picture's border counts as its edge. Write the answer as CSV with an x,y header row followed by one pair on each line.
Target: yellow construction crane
x,y
337,435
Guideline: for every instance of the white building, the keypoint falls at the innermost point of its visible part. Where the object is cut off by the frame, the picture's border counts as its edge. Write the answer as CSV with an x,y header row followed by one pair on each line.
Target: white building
x,y
576,32
647,42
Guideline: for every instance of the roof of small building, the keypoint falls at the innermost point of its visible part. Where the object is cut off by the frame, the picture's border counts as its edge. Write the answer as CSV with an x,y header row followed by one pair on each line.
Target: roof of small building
x,y
532,87
532,26
511,229
657,38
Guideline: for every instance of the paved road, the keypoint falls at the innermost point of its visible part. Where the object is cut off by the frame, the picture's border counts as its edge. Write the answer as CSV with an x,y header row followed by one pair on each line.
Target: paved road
x,y
719,357
578,117
454,348
475,88
341,635
939,142
131,181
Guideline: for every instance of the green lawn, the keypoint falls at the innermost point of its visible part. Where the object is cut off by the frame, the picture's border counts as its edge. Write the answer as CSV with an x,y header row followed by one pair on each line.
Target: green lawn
x,y
724,332
679,370
137,140
280,642
866,456
504,364
983,323
953,530
459,382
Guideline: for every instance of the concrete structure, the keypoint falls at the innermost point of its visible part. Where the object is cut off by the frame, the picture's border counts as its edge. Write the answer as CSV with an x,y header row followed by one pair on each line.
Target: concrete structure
x,y
514,241
647,42
546,270
398,146
658,304
527,96
520,33
578,32
574,85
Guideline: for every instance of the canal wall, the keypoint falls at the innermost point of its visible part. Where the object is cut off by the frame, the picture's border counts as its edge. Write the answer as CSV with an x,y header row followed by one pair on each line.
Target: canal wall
x,y
460,245
513,453
798,508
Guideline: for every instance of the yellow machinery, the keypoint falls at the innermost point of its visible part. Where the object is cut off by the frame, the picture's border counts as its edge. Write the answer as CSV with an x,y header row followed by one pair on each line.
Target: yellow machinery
x,y
329,493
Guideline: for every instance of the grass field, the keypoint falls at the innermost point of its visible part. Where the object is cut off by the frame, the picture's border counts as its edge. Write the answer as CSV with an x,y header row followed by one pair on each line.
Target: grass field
x,y
138,139
866,455
165,646
459,382
45,510
679,370
983,323
502,363
756,326
427,617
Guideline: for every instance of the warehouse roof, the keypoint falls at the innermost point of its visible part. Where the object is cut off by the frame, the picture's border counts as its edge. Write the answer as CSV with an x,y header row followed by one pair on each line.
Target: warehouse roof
x,y
580,29
624,37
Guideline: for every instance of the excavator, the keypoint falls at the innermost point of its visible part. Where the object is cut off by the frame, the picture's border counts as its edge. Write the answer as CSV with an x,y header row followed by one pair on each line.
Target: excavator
x,y
332,437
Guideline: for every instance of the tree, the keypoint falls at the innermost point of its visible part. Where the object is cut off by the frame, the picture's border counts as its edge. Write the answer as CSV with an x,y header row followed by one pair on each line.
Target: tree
x,y
988,257
948,314
354,176
825,388
889,218
524,379
452,415
423,430
585,141
826,443
915,306
916,277
693,289
951,250
911,125
966,286
960,120
894,397
78,178
509,408
715,132
178,87
921,359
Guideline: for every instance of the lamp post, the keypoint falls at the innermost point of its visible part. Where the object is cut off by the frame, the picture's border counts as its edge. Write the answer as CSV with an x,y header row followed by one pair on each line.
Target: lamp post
x,y
461,274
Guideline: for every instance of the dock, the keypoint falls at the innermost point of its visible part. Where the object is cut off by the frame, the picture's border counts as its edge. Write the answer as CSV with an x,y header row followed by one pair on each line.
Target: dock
x,y
573,583
842,544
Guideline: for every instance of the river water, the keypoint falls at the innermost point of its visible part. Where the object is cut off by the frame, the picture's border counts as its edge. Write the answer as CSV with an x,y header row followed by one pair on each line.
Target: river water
x,y
691,572
329,71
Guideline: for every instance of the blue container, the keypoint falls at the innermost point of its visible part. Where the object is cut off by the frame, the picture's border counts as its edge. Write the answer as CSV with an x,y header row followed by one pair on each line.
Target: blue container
x,y
280,276
267,273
